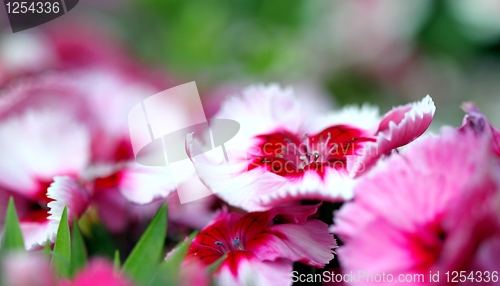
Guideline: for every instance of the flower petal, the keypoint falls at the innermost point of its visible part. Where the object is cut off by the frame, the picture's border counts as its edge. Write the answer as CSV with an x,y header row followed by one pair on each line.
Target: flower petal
x,y
243,268
410,214
14,269
142,185
479,123
99,272
117,213
425,177
398,127
66,192
41,144
252,224
37,230
206,246
309,243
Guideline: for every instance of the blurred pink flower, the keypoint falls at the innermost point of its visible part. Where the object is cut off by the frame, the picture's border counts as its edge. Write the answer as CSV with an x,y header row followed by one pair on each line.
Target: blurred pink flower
x,y
23,269
196,214
295,154
71,122
259,250
98,272
435,207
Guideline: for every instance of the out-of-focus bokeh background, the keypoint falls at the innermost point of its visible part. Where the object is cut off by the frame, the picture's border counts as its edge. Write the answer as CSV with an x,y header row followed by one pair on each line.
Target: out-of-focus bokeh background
x,y
100,59
385,52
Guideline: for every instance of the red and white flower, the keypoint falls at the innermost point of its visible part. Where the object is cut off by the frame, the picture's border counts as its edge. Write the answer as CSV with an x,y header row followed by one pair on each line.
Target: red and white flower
x,y
36,147
260,247
283,152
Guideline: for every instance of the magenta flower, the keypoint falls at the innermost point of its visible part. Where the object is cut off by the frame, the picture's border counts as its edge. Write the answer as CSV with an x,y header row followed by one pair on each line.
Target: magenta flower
x,y
435,207
260,247
98,272
285,153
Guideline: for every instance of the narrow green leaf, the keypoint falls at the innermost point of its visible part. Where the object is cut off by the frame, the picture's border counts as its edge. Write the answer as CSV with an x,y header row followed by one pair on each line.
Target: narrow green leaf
x,y
13,238
62,249
116,261
168,270
215,265
181,249
78,251
141,264
47,249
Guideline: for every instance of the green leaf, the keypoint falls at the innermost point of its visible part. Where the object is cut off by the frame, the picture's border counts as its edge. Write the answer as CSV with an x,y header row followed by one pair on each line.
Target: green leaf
x,y
78,251
180,251
100,241
13,238
141,264
47,249
116,260
168,270
216,264
62,249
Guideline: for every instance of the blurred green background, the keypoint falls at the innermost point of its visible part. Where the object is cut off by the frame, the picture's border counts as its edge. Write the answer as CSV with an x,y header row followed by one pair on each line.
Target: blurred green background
x,y
385,52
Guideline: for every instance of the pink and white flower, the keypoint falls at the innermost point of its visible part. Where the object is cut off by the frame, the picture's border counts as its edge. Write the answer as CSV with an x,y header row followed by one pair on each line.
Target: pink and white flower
x,y
36,147
435,207
283,152
260,251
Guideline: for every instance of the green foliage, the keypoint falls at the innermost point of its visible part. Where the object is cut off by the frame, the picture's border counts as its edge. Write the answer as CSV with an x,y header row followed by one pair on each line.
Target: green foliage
x,y
47,248
222,38
62,249
141,264
99,241
169,269
116,261
13,237
78,251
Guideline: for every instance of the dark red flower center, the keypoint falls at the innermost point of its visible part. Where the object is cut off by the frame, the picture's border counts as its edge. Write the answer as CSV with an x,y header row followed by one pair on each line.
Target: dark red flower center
x,y
289,155
107,182
38,216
